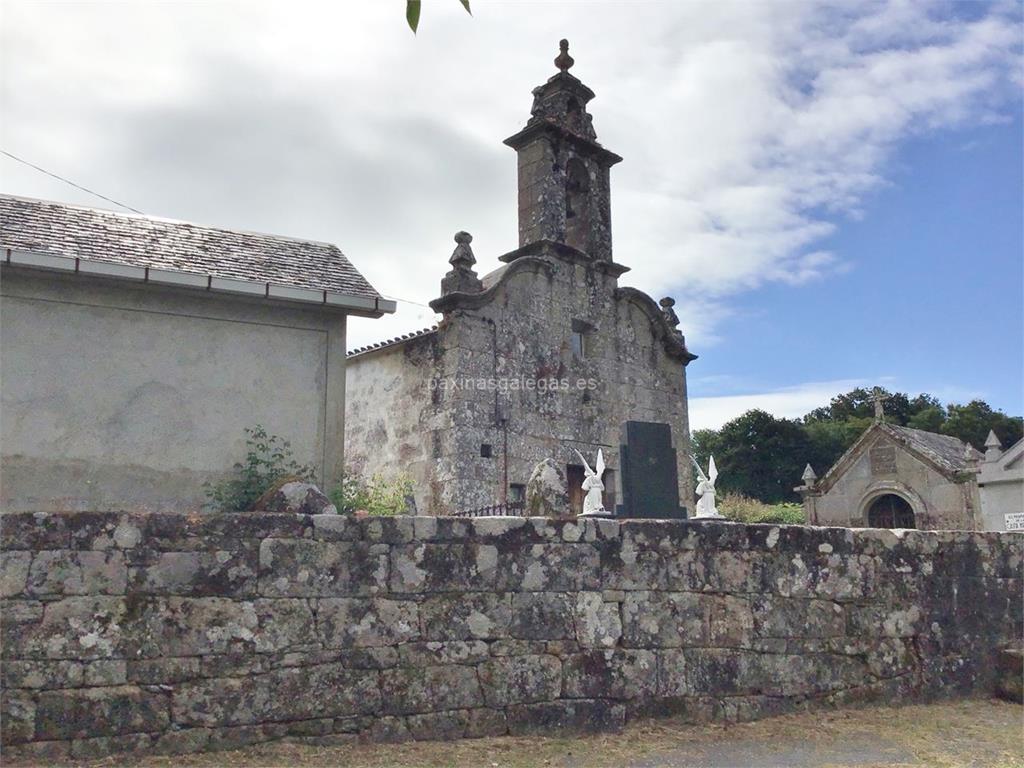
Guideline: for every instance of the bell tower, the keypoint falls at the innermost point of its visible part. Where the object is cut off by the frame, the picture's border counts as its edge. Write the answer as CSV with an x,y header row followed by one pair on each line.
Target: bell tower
x,y
564,195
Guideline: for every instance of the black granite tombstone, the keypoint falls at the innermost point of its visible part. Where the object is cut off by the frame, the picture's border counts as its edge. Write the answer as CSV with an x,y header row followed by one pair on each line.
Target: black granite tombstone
x,y
650,475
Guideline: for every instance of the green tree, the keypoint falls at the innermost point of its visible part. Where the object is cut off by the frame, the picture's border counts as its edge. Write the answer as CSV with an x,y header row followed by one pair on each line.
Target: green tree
x,y
972,422
760,456
929,419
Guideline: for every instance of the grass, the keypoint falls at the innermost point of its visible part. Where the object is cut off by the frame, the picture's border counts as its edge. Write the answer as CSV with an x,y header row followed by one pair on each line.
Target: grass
x,y
946,735
742,508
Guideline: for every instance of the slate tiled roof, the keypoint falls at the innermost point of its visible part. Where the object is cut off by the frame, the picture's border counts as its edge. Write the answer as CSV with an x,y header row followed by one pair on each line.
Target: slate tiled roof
x,y
946,451
58,229
391,342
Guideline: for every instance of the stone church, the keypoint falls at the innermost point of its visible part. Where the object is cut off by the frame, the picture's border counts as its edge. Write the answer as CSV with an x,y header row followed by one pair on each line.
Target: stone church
x,y
898,477
546,354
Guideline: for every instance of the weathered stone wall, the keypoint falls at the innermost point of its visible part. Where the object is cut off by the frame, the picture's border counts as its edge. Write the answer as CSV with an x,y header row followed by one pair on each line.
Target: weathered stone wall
x,y
174,634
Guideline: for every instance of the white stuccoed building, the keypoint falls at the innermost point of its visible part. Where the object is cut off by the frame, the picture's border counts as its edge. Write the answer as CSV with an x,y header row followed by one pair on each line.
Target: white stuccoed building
x,y
134,351
1001,485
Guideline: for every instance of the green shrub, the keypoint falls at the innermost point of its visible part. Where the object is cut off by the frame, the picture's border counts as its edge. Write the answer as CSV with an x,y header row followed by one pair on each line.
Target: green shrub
x,y
267,461
744,509
379,496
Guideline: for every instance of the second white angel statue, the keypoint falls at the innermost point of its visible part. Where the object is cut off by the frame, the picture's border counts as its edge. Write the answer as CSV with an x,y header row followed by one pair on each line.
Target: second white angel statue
x,y
706,490
593,502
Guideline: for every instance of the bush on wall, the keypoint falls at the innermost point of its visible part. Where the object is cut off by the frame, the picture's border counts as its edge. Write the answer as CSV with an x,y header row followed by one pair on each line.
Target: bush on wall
x,y
268,460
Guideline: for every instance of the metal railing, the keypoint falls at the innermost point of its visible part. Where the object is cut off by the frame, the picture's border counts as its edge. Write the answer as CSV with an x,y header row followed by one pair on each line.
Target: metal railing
x,y
508,509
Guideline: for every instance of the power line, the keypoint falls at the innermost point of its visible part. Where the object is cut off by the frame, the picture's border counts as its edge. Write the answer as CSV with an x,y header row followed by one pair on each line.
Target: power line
x,y
68,181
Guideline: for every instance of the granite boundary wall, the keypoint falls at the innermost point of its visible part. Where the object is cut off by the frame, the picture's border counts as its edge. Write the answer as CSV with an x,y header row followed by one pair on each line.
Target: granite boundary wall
x,y
170,634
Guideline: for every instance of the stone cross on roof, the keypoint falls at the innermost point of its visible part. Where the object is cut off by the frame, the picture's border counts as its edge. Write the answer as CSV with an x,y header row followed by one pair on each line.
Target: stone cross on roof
x,y
877,397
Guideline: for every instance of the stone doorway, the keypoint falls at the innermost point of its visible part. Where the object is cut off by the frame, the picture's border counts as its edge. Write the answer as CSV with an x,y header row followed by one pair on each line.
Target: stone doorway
x,y
891,511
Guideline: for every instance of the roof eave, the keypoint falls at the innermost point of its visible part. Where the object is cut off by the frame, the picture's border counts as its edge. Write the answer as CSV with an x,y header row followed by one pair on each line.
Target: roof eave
x,y
353,304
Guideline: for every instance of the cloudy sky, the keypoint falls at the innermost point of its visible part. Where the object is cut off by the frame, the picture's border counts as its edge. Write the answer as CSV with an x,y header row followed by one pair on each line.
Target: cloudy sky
x,y
832,192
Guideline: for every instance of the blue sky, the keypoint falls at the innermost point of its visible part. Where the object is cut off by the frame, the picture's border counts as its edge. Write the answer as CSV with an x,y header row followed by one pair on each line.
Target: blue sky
x,y
831,190
932,300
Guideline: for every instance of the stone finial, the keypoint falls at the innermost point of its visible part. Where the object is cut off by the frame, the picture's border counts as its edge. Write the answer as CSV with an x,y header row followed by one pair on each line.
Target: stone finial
x,y
462,256
993,447
462,278
670,314
810,479
564,61
971,457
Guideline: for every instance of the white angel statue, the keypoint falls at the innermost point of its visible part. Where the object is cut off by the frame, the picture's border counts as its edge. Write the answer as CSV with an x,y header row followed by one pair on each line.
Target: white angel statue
x,y
593,502
706,489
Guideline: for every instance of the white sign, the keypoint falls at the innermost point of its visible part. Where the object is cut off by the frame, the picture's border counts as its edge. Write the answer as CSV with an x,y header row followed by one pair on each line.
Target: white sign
x,y
1015,521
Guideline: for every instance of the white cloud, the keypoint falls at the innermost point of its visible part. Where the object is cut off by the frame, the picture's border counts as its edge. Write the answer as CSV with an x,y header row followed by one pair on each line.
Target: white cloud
x,y
750,130
788,402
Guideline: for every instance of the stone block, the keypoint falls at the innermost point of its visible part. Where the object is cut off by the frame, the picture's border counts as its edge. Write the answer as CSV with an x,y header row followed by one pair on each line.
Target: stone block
x,y
363,622
182,742
387,530
124,745
730,621
105,672
17,717
34,531
335,528
91,712
439,726
476,615
163,671
63,572
776,616
71,628
664,619
220,573
297,693
283,624
486,722
443,567
521,679
437,652
41,674
309,568
550,568
187,626
611,674
542,616
598,623
578,716
414,690
14,569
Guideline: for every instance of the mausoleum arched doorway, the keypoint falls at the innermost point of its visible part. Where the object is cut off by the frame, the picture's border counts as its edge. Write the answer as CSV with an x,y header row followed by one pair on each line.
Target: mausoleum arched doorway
x,y
891,511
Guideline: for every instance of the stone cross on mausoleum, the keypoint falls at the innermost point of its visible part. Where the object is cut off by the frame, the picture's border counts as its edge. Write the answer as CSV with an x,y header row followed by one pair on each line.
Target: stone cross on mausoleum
x,y
878,398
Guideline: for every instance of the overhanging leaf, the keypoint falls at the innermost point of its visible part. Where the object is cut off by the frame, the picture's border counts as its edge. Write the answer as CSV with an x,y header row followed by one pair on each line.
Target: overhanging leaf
x,y
465,4
412,14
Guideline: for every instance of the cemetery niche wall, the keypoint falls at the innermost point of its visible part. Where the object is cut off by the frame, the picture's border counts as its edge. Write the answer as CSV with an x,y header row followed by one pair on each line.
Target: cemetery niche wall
x,y
172,633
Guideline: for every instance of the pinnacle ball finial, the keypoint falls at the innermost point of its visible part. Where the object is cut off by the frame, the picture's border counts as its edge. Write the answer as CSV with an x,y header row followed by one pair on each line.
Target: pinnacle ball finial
x,y
463,238
564,61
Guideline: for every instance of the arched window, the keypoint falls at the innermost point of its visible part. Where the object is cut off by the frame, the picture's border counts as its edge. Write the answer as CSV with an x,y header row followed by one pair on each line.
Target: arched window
x,y
577,204
890,511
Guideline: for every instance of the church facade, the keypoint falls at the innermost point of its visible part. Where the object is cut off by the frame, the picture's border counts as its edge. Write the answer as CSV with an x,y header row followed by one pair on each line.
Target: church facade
x,y
545,355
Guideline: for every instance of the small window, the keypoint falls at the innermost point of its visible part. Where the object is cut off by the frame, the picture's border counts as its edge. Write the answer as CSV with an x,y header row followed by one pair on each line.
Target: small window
x,y
517,493
485,450
578,345
578,340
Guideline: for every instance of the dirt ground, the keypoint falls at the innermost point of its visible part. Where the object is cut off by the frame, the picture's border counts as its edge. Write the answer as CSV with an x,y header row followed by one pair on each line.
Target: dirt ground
x,y
987,733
